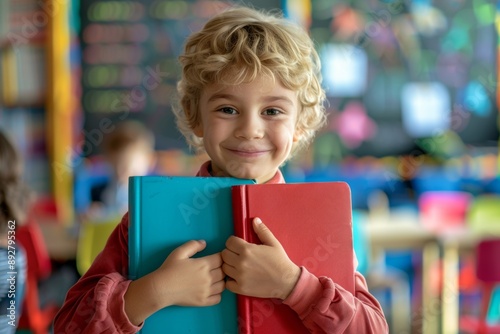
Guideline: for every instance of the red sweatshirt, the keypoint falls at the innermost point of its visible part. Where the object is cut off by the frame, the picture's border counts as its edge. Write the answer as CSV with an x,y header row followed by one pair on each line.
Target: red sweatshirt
x,y
95,304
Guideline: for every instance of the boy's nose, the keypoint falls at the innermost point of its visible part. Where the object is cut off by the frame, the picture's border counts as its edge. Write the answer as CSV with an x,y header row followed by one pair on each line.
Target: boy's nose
x,y
250,127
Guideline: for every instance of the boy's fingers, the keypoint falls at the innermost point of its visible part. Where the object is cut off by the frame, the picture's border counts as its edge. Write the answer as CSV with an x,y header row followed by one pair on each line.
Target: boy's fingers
x,y
235,244
264,233
218,287
189,249
217,275
229,257
232,285
229,271
214,260
213,300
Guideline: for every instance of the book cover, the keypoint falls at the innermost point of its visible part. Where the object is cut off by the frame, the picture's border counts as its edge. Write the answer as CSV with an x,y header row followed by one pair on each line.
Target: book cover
x,y
166,212
313,222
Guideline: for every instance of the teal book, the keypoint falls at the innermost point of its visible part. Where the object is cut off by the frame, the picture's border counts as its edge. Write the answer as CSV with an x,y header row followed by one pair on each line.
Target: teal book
x,y
165,212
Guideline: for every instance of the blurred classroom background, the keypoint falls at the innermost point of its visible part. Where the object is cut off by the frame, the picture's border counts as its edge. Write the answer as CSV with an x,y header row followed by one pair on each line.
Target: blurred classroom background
x,y
413,128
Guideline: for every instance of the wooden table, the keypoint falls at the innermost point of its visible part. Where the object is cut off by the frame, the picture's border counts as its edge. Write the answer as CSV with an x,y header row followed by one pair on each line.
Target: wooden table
x,y
404,232
455,242
407,232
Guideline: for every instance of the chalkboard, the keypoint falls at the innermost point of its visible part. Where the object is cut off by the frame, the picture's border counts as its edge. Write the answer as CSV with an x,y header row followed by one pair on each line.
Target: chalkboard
x,y
129,62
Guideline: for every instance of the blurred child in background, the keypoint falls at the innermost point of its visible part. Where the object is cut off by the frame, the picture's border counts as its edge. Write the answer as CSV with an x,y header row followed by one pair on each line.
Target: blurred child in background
x,y
14,200
129,150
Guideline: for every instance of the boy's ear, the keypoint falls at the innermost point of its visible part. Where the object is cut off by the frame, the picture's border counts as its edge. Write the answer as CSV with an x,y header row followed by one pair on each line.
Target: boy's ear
x,y
297,135
198,130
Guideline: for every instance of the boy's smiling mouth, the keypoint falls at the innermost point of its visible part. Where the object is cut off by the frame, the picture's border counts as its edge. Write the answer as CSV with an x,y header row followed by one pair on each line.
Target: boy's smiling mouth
x,y
248,152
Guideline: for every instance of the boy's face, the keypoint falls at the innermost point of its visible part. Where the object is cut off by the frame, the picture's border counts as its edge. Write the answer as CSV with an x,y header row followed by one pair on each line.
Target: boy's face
x,y
248,130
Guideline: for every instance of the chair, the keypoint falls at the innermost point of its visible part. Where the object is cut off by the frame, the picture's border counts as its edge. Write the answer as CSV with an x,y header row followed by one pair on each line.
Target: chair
x,y
92,173
91,241
488,273
45,207
382,279
443,210
35,318
484,214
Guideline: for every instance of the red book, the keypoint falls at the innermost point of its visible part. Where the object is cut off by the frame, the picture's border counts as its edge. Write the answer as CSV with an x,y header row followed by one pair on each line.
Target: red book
x,y
313,223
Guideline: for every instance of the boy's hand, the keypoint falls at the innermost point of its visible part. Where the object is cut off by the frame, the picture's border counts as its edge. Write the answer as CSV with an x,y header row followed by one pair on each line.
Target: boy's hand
x,y
182,280
259,270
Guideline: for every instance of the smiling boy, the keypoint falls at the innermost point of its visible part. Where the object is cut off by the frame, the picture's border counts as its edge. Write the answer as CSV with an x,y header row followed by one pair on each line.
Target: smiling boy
x,y
250,96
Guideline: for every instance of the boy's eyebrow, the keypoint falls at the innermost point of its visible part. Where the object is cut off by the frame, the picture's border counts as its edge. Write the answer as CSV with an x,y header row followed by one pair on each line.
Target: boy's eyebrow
x,y
227,96
217,96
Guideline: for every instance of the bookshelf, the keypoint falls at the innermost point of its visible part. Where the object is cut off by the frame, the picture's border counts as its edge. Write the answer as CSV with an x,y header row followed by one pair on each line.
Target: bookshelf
x,y
37,101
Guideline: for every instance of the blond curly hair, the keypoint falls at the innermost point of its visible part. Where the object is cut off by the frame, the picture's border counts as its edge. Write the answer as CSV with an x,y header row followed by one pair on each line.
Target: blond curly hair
x,y
237,46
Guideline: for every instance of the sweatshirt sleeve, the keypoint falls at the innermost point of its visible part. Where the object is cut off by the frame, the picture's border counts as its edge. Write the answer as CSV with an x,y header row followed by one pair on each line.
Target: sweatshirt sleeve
x,y
95,304
325,307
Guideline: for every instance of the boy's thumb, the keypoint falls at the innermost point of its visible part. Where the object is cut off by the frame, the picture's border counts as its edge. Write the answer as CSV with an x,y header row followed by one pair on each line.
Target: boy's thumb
x,y
264,233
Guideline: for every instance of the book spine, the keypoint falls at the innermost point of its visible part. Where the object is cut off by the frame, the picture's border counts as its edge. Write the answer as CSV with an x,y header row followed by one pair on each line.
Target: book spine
x,y
243,222
134,208
238,194
240,221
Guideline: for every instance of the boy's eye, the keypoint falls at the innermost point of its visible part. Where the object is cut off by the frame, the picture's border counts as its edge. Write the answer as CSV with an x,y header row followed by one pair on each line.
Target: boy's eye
x,y
228,110
272,112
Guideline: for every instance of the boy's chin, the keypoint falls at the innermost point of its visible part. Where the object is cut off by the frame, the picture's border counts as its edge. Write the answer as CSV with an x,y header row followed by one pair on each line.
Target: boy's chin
x,y
242,171
249,175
